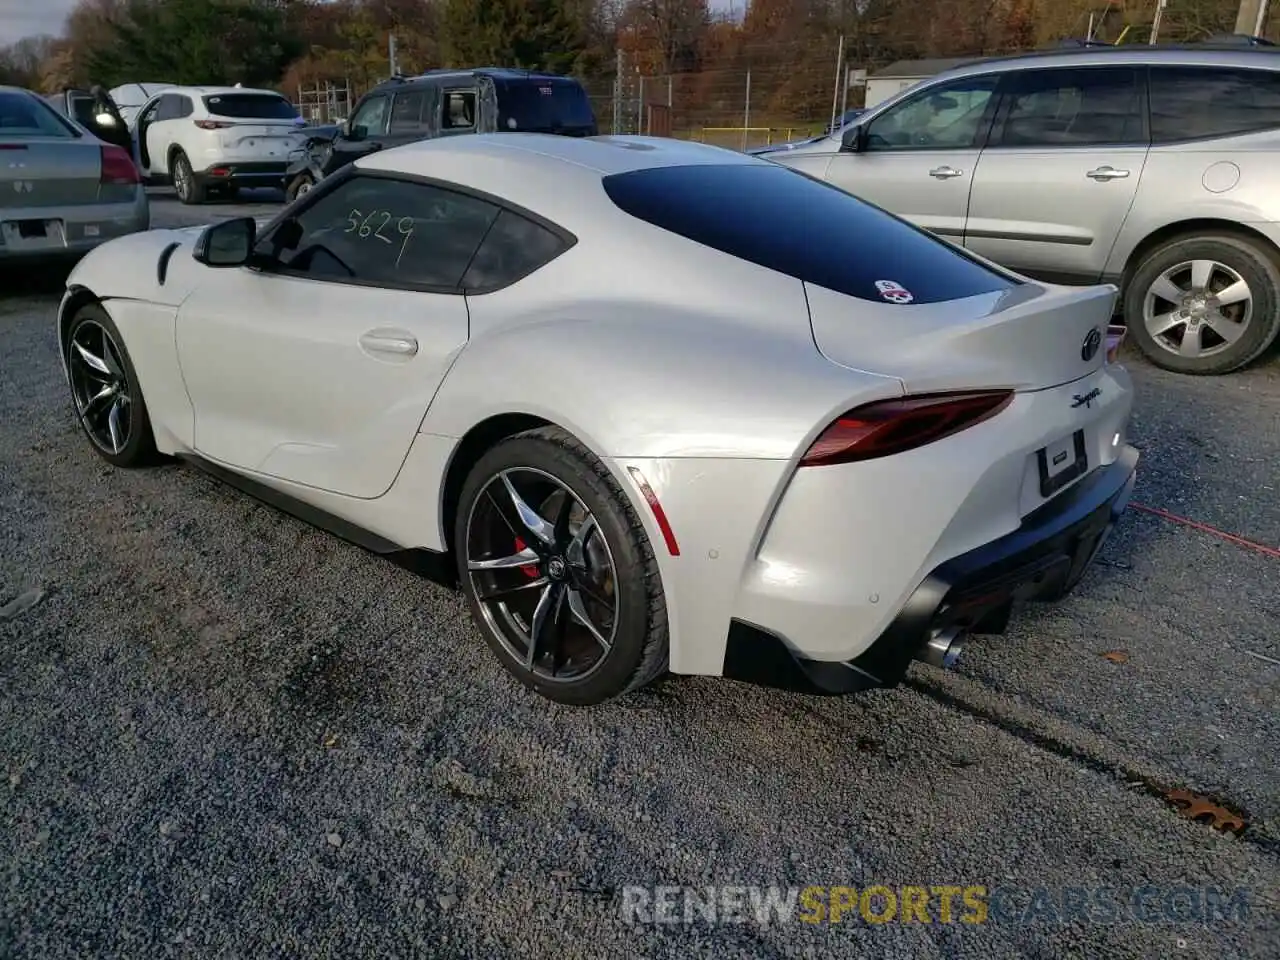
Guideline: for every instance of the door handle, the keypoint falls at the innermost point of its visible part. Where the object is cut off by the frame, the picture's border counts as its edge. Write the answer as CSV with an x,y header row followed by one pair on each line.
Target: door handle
x,y
394,342
945,173
1107,173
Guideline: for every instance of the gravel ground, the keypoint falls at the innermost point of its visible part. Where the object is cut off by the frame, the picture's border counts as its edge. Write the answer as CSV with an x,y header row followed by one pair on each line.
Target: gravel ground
x,y
223,733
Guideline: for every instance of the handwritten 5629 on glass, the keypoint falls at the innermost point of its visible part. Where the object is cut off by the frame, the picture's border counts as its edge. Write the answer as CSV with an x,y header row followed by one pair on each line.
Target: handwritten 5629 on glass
x,y
374,225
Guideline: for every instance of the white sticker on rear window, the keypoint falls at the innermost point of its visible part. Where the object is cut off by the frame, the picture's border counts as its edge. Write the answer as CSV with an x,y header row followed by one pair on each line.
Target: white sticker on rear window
x,y
893,291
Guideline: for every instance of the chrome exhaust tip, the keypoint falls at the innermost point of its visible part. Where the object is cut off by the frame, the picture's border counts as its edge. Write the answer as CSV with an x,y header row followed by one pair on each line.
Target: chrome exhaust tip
x,y
943,648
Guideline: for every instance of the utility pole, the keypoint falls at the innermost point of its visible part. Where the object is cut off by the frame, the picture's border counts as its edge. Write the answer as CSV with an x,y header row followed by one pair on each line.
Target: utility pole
x,y
617,95
1155,24
835,92
1252,18
391,53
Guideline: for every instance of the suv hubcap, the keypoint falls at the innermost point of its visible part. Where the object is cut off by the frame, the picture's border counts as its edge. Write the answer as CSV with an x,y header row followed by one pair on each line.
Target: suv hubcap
x,y
1197,308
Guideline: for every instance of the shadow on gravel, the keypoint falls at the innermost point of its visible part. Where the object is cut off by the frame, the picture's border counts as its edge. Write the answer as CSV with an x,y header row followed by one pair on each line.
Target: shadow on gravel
x,y
34,279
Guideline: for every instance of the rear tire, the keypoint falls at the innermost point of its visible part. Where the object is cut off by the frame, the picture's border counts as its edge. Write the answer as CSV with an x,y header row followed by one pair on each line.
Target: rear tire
x,y
610,577
189,189
1169,313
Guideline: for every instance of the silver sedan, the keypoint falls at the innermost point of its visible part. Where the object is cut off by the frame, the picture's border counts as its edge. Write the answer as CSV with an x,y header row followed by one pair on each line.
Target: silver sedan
x,y
62,190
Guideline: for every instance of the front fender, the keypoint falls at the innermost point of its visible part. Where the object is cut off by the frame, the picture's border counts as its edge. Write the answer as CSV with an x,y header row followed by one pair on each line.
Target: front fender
x,y
154,265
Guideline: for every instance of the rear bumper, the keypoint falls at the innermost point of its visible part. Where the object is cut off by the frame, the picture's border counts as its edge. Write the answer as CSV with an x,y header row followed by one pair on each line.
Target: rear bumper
x,y
248,173
1042,560
82,228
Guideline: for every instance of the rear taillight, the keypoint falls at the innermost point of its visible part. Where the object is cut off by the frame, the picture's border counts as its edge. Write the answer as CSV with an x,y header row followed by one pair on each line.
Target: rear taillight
x,y
1115,339
117,166
213,124
895,426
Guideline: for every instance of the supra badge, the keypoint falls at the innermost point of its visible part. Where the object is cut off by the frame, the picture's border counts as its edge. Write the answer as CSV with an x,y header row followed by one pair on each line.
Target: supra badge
x,y
1091,344
1085,399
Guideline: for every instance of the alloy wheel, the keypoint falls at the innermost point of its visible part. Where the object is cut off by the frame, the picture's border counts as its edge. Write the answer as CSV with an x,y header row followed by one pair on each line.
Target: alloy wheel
x,y
543,576
181,179
1197,308
100,387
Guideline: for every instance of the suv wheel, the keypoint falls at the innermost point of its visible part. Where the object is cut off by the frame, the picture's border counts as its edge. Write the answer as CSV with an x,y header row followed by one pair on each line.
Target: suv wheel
x,y
1204,305
185,184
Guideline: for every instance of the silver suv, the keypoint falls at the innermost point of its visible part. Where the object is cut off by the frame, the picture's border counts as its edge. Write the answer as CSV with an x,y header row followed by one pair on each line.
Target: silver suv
x,y
1157,169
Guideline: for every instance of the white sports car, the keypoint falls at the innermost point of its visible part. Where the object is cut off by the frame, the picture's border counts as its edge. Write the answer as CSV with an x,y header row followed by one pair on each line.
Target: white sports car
x,y
668,406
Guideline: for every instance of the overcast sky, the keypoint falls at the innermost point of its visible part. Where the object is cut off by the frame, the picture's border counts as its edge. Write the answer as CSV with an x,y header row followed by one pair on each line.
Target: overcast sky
x,y
23,18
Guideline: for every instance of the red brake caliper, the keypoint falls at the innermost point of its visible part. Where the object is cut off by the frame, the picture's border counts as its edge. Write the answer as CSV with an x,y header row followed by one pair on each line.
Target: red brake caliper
x,y
530,571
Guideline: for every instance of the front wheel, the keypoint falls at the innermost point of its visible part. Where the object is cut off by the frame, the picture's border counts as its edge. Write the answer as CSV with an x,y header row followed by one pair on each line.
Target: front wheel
x,y
1204,305
104,388
558,571
299,186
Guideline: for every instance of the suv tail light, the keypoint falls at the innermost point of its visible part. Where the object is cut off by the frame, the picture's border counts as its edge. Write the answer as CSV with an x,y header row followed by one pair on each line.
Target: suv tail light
x,y
117,166
904,423
213,124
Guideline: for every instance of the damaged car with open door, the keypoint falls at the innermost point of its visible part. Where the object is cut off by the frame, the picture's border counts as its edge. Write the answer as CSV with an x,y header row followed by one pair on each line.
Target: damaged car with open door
x,y
445,103
96,111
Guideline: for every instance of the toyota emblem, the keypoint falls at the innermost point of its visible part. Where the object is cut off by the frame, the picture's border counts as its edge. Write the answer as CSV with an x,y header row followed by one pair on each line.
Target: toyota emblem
x,y
1091,344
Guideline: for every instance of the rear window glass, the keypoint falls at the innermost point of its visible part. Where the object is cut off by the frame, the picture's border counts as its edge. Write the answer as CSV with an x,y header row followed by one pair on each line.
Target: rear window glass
x,y
789,222
250,106
22,115
1191,102
543,106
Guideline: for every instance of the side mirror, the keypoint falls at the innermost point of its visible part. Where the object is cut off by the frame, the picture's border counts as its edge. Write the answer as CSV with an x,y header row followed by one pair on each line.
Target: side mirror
x,y
226,244
854,139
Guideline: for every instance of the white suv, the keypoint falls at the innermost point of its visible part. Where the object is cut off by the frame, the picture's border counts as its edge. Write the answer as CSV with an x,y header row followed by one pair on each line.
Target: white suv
x,y
204,139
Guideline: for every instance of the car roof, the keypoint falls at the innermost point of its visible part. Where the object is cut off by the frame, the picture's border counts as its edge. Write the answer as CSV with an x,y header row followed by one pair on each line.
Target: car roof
x,y
204,91
555,176
495,73
1200,54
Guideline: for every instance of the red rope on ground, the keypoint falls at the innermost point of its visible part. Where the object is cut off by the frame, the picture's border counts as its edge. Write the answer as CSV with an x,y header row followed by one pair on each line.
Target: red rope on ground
x,y
1262,548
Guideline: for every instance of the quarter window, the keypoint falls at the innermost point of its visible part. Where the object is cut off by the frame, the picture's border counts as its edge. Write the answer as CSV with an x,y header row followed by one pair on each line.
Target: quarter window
x,y
1071,108
459,110
513,248
1188,103
944,118
387,232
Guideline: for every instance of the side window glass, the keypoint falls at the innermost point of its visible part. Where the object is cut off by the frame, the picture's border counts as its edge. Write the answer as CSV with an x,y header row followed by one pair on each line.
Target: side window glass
x,y
406,112
944,118
372,116
1072,108
513,249
165,110
389,232
184,107
1188,103
459,110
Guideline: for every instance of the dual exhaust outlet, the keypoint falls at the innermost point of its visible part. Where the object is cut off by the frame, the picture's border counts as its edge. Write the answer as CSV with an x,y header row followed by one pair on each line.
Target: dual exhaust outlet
x,y
943,648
